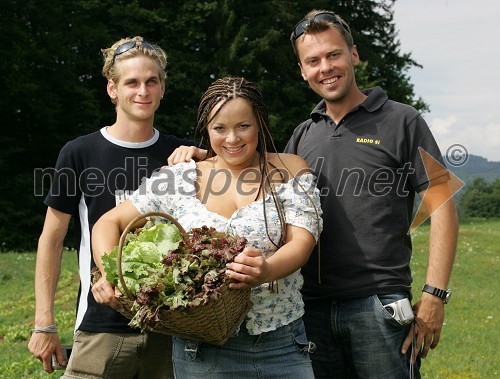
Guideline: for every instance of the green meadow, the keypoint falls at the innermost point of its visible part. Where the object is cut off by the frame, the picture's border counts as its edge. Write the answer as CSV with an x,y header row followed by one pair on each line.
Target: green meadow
x,y
469,346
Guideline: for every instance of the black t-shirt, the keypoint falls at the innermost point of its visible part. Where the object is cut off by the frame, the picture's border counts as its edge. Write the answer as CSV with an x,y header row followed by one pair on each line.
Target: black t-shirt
x,y
93,174
368,168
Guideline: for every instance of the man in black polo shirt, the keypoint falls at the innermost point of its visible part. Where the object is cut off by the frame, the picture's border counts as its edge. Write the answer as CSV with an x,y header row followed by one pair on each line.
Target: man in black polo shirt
x,y
367,152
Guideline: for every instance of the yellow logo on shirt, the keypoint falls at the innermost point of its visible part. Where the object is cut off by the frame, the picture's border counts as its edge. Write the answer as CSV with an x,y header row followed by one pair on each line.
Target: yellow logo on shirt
x,y
368,140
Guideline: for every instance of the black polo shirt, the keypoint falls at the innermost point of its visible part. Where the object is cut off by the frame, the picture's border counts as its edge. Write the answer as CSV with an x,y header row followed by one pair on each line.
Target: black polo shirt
x,y
369,168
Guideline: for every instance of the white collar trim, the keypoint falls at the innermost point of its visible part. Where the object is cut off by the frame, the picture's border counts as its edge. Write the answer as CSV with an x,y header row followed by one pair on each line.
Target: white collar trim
x,y
130,145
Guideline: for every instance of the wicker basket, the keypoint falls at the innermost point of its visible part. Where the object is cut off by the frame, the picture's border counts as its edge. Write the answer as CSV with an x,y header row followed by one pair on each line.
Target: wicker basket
x,y
213,323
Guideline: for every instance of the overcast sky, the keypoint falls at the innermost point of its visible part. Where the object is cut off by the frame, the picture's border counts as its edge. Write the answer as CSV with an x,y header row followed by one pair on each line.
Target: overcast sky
x,y
457,43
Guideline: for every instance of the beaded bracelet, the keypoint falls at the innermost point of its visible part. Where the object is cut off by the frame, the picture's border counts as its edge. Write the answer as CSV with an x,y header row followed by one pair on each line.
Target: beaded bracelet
x,y
47,329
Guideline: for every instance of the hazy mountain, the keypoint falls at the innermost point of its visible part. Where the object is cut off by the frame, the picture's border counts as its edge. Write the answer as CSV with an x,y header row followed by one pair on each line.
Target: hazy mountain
x,y
475,167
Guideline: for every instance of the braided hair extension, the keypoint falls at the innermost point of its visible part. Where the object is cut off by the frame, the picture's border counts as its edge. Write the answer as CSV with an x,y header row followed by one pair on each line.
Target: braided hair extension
x,y
229,88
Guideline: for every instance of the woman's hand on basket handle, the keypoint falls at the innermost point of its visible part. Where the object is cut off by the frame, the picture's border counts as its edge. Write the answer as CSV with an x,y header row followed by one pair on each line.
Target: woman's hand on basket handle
x,y
104,293
105,236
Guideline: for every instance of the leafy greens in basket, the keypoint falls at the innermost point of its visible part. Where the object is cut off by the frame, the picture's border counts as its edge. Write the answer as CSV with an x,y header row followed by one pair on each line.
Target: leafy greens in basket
x,y
164,271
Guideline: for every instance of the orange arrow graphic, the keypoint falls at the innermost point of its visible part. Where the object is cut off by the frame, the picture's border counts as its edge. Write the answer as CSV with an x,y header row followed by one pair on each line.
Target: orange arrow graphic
x,y
432,166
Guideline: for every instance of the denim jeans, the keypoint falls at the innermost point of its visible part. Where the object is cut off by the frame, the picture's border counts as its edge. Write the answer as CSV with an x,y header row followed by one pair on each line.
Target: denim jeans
x,y
357,338
279,354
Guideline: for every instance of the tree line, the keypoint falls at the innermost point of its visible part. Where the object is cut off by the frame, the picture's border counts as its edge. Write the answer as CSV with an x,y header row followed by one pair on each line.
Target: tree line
x,y
53,91
481,199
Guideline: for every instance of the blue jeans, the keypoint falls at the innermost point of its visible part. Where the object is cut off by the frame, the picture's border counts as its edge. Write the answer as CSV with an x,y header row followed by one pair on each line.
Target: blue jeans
x,y
357,339
280,354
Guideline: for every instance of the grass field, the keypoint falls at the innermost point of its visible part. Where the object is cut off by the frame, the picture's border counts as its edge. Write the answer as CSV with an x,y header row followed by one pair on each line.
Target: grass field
x,y
17,309
469,346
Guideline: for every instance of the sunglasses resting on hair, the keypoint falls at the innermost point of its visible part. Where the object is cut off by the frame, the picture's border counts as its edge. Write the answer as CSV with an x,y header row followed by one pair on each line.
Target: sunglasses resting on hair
x,y
301,26
124,47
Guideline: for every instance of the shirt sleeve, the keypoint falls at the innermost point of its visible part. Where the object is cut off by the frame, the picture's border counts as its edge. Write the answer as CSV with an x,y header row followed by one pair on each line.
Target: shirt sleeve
x,y
302,204
425,157
65,193
165,188
294,141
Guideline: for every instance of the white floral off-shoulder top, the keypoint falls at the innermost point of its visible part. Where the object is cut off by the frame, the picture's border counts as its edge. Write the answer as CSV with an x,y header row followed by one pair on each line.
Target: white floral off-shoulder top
x,y
172,190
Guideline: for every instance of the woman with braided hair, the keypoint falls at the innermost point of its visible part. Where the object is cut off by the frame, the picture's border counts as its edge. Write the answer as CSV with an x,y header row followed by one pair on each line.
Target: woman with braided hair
x,y
245,188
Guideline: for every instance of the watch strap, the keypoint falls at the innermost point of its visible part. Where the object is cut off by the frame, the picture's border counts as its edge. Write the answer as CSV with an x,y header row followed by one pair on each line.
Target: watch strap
x,y
442,294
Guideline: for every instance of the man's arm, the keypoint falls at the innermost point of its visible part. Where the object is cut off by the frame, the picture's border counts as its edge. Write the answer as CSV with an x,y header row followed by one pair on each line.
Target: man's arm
x,y
429,311
48,268
185,154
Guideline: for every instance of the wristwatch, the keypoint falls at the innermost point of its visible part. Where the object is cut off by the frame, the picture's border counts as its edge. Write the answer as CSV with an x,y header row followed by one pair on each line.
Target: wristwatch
x,y
442,294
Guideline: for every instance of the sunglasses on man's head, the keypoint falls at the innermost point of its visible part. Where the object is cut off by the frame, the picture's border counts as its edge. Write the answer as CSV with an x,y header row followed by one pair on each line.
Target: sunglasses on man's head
x,y
301,26
124,47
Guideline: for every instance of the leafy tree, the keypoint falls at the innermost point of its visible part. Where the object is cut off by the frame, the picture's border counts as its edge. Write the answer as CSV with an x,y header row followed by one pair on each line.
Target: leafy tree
x,y
206,40
45,101
481,199
53,90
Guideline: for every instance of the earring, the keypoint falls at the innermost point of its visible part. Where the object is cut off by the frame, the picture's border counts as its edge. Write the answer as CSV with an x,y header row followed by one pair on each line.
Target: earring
x,y
161,98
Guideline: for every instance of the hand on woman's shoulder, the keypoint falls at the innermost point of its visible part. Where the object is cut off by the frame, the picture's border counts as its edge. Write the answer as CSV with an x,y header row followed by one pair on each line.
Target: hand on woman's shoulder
x,y
292,163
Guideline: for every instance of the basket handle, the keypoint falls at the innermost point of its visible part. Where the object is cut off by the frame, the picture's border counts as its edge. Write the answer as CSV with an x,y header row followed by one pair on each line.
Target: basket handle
x,y
128,228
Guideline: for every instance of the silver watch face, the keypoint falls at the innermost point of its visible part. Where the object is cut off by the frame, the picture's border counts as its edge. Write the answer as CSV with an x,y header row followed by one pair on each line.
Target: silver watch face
x,y
448,295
